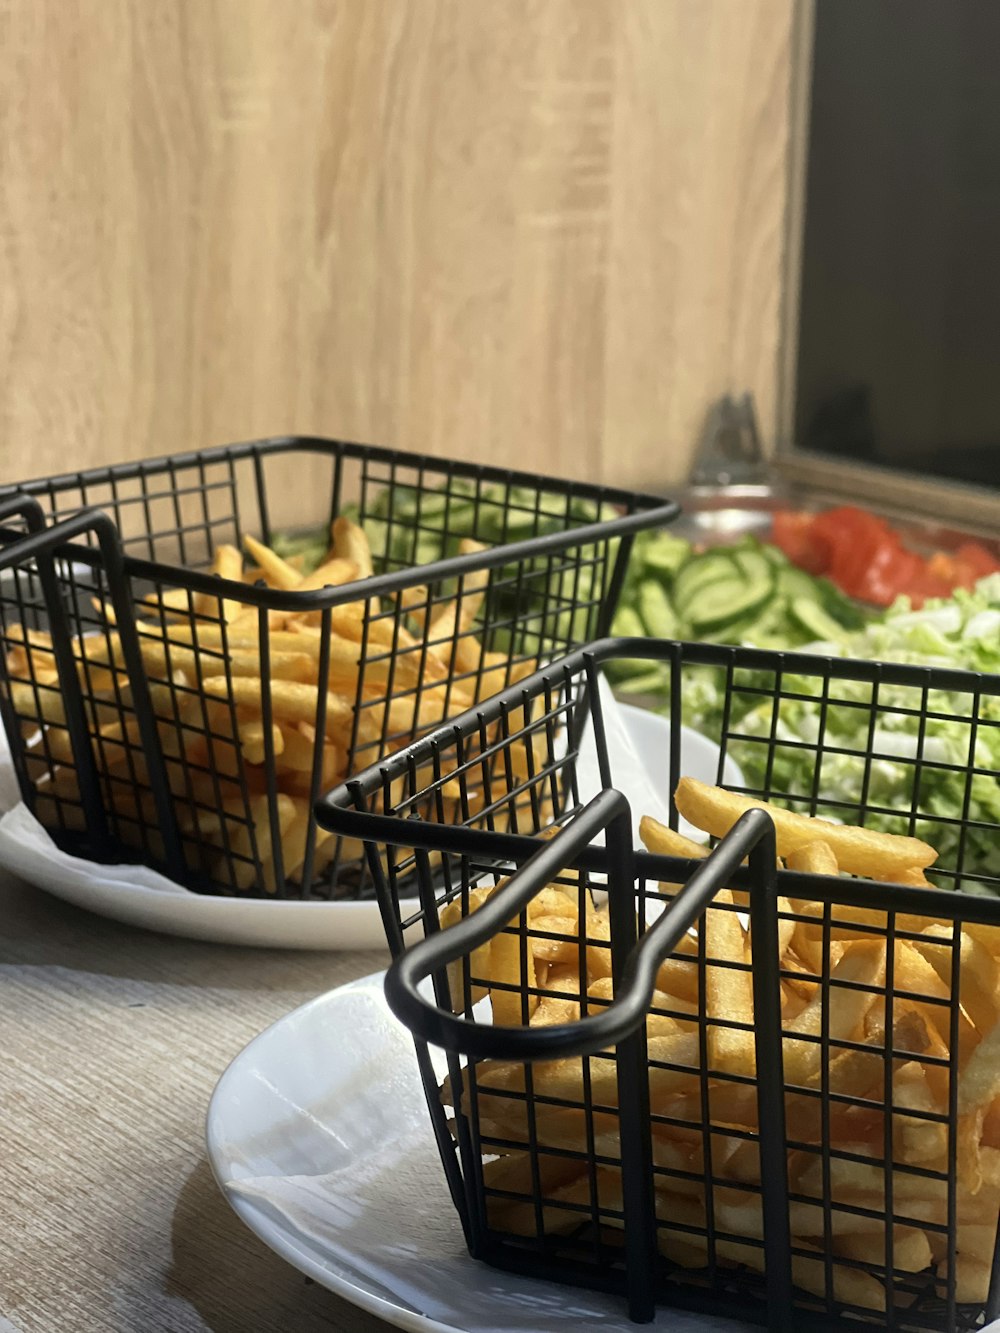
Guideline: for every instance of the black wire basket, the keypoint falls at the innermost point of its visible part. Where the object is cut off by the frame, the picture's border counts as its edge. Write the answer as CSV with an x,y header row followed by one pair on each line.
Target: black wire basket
x,y
789,1117
142,728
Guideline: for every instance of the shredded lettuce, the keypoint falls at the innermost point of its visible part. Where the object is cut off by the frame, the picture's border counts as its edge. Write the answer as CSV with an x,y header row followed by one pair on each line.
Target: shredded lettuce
x,y
913,765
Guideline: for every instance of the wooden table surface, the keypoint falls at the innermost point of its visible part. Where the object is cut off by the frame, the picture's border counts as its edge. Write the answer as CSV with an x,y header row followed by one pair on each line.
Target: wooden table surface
x,y
111,1041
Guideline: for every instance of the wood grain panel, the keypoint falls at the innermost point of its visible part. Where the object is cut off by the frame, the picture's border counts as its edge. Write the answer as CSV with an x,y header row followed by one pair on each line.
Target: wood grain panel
x,y
698,198
539,232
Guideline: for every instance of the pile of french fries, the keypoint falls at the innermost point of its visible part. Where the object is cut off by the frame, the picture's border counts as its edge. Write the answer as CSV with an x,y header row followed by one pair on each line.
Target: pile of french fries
x,y
394,673
884,1015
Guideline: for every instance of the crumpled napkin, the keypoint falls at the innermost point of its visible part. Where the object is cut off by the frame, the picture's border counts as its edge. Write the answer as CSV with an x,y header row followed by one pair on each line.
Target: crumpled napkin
x,y
27,849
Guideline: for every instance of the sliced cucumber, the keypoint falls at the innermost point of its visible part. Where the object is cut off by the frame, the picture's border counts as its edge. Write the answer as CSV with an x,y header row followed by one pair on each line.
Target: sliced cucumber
x,y
796,583
586,511
312,546
753,566
655,609
841,607
518,525
459,518
666,554
627,625
727,600
653,681
377,533
774,555
773,626
815,620
698,573
427,549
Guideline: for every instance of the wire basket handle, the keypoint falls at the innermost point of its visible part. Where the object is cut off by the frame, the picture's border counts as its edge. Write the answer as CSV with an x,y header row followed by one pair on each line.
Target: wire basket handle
x,y
41,545
752,835
622,1023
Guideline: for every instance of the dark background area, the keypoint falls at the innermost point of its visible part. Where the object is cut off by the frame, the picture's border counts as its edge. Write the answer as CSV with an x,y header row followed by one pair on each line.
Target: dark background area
x,y
899,332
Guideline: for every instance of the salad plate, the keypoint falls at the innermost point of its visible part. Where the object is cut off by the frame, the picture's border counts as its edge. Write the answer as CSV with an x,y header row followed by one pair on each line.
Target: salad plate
x,y
319,1137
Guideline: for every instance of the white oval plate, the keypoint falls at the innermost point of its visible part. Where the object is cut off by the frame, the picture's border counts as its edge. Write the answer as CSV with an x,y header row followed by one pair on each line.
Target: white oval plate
x,y
319,1137
140,897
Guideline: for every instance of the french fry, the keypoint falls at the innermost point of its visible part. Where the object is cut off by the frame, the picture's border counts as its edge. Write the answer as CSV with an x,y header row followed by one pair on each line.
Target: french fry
x,y
478,965
562,950
350,543
813,858
979,1081
678,977
564,1078
728,990
298,747
415,602
980,970
663,841
410,714
162,661
278,572
598,927
44,705
348,621
512,963
333,574
914,973
855,1073
562,1185
914,877
565,1006
911,1251
177,601
332,768
681,1016
228,564
290,700
495,672
449,624
923,1142
858,851
849,1284
252,740
862,965
251,842
204,664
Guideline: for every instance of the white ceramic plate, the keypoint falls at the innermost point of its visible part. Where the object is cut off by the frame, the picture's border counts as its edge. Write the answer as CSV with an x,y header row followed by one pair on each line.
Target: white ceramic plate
x,y
139,897
319,1137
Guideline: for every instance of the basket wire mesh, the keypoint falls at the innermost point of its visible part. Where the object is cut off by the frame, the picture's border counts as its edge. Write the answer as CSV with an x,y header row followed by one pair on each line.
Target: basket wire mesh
x,y
130,691
844,1173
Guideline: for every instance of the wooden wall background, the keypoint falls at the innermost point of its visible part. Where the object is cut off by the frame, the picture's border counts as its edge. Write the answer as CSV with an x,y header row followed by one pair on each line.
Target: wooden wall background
x,y
541,232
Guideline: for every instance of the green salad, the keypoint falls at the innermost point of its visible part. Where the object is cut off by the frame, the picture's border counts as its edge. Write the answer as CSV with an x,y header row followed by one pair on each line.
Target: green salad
x,y
949,732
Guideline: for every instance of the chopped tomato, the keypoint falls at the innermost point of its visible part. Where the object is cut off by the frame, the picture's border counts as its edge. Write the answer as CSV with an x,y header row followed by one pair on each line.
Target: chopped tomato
x,y
951,570
856,543
890,572
976,556
866,557
925,584
792,533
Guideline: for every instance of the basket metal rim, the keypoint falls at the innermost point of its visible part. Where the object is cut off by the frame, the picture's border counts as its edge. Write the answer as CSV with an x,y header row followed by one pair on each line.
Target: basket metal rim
x,y
644,511
379,585
318,444
662,650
